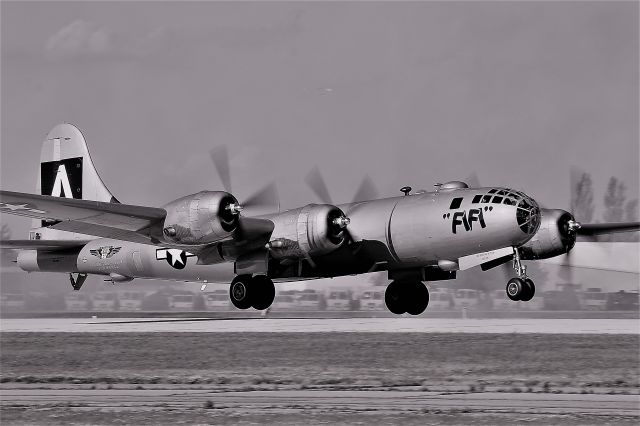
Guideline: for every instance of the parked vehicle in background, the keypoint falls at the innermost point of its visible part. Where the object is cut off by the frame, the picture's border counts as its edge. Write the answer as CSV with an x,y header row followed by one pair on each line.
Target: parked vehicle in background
x,y
131,300
593,299
217,300
309,300
77,301
565,299
440,299
501,302
156,301
339,300
372,300
466,298
284,302
12,301
181,302
104,301
623,301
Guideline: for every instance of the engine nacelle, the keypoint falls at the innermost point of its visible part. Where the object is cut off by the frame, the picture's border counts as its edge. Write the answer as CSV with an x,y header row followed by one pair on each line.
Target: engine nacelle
x,y
554,237
314,229
48,261
201,218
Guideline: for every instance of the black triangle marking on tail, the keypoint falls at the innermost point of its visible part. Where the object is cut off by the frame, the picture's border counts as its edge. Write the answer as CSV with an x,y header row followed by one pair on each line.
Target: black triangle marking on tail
x,y
62,178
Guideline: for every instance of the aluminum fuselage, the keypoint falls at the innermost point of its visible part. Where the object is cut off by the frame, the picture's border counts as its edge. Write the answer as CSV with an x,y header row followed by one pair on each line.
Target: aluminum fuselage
x,y
395,233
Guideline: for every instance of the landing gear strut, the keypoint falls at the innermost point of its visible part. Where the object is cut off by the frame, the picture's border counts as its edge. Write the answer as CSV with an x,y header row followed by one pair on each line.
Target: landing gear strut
x,y
252,292
521,288
406,296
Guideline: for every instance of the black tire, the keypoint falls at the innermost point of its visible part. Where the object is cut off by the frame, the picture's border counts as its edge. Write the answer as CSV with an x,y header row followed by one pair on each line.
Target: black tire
x,y
265,292
515,288
529,290
417,298
240,291
393,298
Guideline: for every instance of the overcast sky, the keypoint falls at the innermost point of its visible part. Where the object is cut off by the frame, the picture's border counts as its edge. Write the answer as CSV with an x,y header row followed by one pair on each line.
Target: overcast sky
x,y
408,93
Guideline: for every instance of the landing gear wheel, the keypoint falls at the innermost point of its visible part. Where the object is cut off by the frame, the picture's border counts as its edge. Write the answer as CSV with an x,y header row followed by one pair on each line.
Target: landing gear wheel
x,y
393,298
529,290
515,289
264,290
240,291
416,298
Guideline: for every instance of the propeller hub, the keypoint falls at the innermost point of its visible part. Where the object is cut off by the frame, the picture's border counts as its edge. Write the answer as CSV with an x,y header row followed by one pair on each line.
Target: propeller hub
x,y
341,221
573,225
234,208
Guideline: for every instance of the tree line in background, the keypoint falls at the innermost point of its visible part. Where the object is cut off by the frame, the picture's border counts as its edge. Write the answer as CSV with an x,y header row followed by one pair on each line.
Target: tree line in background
x,y
616,206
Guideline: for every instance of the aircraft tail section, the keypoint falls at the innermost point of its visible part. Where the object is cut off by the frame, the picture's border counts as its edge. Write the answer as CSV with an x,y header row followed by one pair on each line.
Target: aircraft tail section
x,y
66,169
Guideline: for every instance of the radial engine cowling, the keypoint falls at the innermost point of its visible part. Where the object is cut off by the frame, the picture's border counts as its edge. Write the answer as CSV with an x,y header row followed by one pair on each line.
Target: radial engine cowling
x,y
314,229
201,218
554,237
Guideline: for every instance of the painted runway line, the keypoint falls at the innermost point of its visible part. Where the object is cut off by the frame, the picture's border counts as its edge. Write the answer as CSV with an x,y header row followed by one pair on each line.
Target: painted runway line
x,y
367,325
385,401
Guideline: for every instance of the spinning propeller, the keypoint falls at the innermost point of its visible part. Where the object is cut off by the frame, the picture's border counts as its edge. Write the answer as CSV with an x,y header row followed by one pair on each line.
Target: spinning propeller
x,y
366,191
339,222
264,198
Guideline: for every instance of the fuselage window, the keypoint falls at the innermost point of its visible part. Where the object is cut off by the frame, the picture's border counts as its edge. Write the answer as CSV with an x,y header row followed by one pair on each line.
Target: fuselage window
x,y
455,203
476,199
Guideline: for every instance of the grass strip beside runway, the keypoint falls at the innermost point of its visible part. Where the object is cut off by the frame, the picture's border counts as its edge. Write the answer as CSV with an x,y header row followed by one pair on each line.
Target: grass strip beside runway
x,y
463,362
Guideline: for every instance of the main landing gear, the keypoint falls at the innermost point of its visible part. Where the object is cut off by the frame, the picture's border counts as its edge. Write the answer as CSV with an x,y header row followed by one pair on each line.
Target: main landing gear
x,y
521,288
252,292
406,296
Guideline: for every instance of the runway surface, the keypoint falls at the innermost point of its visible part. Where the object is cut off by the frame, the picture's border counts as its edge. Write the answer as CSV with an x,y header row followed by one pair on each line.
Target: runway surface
x,y
388,400
307,325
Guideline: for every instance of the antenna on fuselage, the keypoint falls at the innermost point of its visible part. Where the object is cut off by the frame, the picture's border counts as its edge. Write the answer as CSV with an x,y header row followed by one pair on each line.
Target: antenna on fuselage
x,y
406,190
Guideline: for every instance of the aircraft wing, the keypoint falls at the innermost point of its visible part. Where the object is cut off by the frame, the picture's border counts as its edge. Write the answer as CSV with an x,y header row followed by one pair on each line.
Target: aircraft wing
x,y
125,222
41,244
108,220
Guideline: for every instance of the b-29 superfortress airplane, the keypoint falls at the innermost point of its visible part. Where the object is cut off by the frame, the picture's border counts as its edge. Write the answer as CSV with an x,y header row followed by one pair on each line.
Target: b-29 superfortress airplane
x,y
81,228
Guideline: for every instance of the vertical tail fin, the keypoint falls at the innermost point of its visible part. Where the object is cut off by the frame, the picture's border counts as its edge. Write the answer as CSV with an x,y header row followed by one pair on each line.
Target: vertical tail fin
x,y
66,169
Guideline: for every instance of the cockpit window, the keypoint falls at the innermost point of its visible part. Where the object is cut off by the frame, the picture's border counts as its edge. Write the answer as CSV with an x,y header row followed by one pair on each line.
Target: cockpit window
x,y
497,200
486,198
527,215
455,203
476,199
493,191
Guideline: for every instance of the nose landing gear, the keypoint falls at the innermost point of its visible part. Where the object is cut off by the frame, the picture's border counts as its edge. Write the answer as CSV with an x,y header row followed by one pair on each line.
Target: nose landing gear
x,y
521,288
247,291
411,297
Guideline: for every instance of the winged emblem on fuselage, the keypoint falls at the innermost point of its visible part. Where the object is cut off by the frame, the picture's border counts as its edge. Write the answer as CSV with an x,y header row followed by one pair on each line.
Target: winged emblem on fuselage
x,y
105,252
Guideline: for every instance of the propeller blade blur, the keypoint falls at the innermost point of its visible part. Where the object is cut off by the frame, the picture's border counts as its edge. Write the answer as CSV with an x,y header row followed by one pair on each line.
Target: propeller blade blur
x,y
607,228
366,191
220,157
265,198
316,182
618,257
